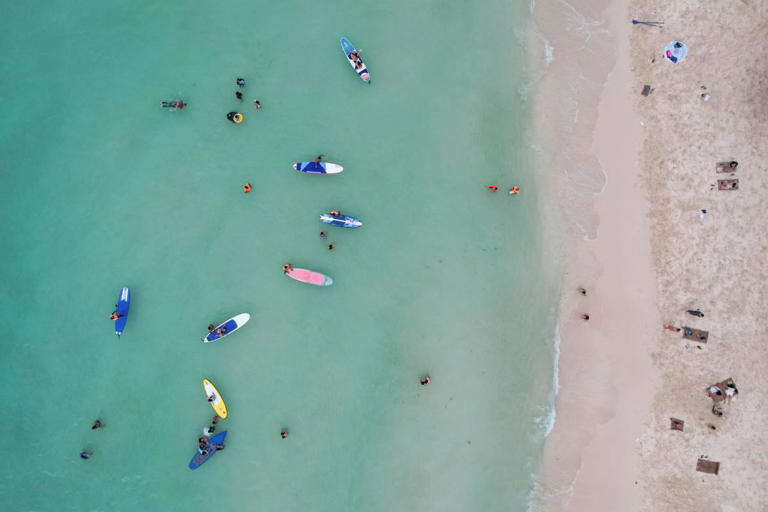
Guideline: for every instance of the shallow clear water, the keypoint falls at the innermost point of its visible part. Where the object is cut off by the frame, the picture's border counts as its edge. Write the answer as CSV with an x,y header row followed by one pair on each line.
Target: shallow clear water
x,y
101,188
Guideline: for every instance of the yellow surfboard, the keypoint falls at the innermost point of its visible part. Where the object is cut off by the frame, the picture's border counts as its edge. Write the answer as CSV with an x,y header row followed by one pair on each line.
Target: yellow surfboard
x,y
217,402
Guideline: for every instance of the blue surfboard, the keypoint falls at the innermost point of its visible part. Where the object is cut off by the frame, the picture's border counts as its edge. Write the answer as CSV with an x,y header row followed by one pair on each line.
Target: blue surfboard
x,y
123,304
318,167
359,67
200,458
341,220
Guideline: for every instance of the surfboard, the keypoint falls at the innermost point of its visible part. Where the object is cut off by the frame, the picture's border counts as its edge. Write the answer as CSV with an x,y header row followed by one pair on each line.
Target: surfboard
x,y
230,325
318,167
361,70
307,276
123,305
342,221
200,458
218,403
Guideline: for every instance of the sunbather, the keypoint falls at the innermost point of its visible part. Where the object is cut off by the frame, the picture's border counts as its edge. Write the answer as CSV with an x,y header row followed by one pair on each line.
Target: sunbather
x,y
727,166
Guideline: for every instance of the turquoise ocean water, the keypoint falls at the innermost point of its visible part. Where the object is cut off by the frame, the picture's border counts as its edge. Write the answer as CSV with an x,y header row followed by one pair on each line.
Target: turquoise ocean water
x,y
102,189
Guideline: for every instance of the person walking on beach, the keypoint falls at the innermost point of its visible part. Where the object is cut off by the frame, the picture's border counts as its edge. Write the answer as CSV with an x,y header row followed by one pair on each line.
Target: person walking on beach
x,y
583,291
584,316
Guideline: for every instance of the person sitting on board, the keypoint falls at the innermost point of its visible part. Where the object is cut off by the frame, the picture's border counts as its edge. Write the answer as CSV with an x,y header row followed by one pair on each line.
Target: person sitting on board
x,y
218,446
212,397
202,444
334,212
355,58
287,268
221,331
115,315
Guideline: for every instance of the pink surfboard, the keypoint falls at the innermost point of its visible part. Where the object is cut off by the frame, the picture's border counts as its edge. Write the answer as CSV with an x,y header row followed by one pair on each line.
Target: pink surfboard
x,y
307,276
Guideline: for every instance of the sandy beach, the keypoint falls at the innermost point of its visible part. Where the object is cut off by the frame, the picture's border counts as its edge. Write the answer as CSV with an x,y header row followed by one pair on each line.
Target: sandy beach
x,y
633,175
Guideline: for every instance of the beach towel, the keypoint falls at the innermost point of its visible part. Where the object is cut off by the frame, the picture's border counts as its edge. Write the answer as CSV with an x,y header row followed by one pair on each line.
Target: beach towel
x,y
696,335
707,466
675,52
728,184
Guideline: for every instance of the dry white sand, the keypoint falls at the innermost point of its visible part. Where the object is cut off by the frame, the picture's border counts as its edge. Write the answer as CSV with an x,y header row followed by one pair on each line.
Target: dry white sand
x,y
633,173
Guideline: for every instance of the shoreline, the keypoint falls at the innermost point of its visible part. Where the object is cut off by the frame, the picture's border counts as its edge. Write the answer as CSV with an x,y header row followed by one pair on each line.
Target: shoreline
x,y
606,374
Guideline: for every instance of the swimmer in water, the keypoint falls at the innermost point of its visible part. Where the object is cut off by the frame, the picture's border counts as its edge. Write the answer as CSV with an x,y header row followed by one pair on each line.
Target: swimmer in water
x,y
287,268
240,82
257,103
239,95
319,159
211,327
284,433
85,455
323,234
425,380
495,188
247,188
96,424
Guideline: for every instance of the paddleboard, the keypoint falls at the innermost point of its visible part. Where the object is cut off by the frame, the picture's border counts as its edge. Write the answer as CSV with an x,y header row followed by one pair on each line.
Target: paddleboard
x,y
123,304
307,276
318,167
230,325
200,458
218,403
361,69
342,221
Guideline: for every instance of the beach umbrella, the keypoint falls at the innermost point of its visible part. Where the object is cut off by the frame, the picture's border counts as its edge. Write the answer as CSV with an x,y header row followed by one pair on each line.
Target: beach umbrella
x,y
675,52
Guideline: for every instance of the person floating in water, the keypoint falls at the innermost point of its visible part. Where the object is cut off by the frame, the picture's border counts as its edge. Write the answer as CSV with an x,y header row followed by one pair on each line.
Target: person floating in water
x,y
331,246
174,104
425,380
284,433
96,424
85,455
211,327
323,234
208,431
287,268
240,82
235,117
495,188
514,190
239,95
257,103
247,188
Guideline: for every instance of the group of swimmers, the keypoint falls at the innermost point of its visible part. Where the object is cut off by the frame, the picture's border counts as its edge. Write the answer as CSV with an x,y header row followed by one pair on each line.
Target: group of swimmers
x,y
237,117
513,191
85,454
